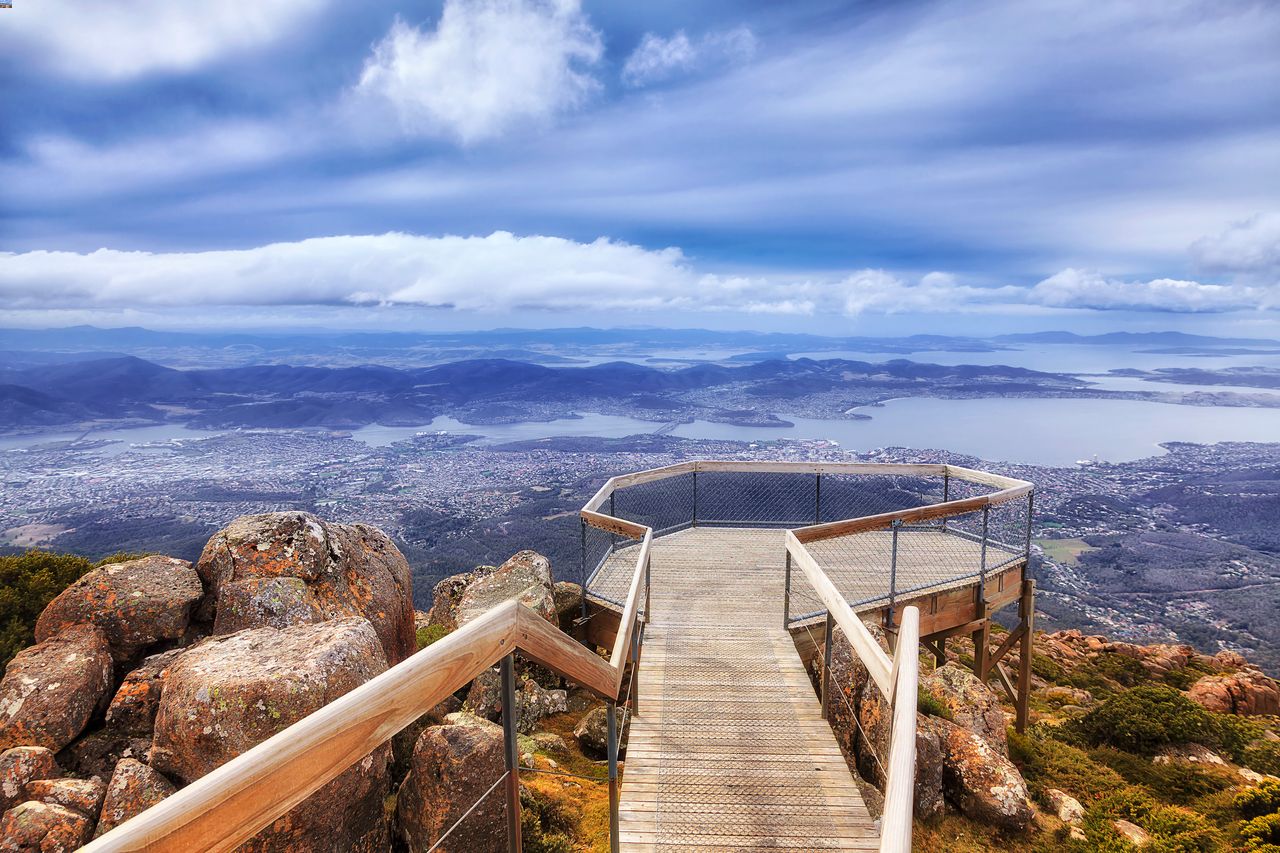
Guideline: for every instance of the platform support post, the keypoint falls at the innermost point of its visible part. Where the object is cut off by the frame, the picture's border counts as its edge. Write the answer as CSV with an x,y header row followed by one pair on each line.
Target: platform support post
x,y
1027,618
511,753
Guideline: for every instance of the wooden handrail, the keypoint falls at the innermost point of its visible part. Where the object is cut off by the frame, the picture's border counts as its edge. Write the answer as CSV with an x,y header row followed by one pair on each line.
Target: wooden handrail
x,y
230,805
900,774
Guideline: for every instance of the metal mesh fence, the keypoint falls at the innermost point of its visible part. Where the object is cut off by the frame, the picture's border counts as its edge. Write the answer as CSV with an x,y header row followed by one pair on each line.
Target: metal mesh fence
x,y
756,499
868,568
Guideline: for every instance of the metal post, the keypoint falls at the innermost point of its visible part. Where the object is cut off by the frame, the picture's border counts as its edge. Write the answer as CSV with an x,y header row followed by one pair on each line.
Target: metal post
x,y
635,672
694,520
893,570
1031,497
817,499
986,519
614,840
648,566
826,667
613,537
946,494
513,758
583,524
786,595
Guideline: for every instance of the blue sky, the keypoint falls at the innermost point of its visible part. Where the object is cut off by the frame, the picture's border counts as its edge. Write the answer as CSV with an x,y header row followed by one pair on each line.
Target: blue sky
x,y
833,166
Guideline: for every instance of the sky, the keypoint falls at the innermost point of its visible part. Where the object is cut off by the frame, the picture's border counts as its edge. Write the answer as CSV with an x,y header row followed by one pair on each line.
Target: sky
x,y
916,165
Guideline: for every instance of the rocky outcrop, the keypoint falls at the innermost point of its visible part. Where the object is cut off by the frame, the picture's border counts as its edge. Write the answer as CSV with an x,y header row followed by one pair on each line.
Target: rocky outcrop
x,y
19,767
134,788
567,596
135,603
447,593
1247,692
285,568
97,753
971,703
930,801
80,795
525,577
133,709
50,690
592,730
533,702
34,827
230,693
452,766
981,782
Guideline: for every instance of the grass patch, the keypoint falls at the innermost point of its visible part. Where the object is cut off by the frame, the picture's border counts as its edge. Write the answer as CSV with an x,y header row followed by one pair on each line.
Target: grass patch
x,y
429,634
1065,551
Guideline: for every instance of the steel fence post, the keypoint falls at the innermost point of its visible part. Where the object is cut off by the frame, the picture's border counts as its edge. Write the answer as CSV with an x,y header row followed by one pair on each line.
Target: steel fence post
x,y
893,570
512,754
817,498
583,524
694,520
786,594
614,836
826,667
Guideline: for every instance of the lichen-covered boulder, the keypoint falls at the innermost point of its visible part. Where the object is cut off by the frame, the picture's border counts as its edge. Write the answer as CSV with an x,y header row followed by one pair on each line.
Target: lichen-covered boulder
x,y
592,730
525,577
1066,807
980,781
133,709
534,704
1247,692
484,698
281,568
51,689
971,703
134,788
930,801
135,603
568,600
34,827
80,795
20,766
452,766
230,693
448,592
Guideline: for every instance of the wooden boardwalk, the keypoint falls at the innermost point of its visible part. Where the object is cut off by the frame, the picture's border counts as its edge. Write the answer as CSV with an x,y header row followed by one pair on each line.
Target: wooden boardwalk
x,y
729,751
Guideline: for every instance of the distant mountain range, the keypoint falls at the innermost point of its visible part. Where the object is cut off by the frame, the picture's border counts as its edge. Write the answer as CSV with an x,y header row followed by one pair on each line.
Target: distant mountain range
x,y
292,396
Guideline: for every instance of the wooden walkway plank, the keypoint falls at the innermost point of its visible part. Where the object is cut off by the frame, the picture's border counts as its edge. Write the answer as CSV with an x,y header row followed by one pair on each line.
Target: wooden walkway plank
x,y
729,751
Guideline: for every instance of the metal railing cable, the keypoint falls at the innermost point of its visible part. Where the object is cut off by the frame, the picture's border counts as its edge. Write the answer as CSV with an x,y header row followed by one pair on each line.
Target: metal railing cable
x,y
505,775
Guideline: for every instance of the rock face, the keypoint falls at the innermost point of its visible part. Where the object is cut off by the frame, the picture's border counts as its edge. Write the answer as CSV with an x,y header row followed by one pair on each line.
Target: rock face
x,y
135,603
134,788
568,601
533,702
19,767
452,765
230,693
447,593
1247,692
971,703
79,795
286,568
525,577
43,828
133,710
51,689
981,782
930,752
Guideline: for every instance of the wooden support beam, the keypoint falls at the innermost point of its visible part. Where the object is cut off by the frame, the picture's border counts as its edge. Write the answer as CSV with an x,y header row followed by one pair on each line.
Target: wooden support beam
x,y
1006,683
998,655
980,633
948,633
1027,610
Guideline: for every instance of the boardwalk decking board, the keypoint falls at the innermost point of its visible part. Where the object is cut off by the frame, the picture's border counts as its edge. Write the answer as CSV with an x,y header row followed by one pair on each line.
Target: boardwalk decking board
x,y
729,751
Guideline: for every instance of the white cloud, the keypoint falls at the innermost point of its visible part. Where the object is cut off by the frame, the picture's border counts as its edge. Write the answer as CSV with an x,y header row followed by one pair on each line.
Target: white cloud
x,y
119,40
1074,288
1250,249
488,65
656,58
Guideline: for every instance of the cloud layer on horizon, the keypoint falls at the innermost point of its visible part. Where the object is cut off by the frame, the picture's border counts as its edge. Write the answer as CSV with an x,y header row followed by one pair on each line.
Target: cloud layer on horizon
x,y
502,272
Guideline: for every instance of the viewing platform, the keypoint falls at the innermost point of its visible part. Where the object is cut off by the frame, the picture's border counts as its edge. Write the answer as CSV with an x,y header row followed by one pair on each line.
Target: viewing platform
x,y
710,588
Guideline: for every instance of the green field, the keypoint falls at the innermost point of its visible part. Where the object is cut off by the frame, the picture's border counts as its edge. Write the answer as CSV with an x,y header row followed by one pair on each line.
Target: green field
x,y
1065,551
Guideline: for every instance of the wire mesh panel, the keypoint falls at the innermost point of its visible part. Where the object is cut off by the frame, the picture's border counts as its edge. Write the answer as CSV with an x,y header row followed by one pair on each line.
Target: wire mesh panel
x,y
663,505
757,498
843,496
1008,524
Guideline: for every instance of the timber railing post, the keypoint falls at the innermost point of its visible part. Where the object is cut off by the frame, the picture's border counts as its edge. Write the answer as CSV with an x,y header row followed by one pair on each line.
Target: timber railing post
x,y
614,836
512,753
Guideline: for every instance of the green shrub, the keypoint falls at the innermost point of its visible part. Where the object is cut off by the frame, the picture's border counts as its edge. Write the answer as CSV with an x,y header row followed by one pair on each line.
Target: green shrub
x,y
932,706
429,634
1048,763
28,582
1172,829
1259,801
1261,833
1234,734
547,822
1263,757
1176,782
1144,718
